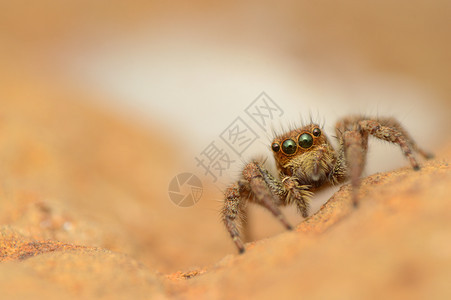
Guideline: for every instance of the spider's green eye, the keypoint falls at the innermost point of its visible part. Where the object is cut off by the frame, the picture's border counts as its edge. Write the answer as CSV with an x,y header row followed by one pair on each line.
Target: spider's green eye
x,y
305,140
275,147
289,147
317,132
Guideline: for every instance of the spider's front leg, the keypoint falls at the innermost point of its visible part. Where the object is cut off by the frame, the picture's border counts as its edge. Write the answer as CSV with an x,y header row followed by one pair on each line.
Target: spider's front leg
x,y
258,184
233,209
390,130
353,136
355,148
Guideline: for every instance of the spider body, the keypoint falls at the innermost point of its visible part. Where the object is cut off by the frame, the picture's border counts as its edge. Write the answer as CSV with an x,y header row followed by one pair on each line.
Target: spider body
x,y
306,161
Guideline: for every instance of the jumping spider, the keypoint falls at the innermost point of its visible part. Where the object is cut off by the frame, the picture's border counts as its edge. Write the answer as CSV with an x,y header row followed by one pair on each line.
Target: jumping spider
x,y
307,161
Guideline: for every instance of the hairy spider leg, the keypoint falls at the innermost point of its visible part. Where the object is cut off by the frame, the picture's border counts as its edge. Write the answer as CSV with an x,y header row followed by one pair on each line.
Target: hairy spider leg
x,y
354,132
254,183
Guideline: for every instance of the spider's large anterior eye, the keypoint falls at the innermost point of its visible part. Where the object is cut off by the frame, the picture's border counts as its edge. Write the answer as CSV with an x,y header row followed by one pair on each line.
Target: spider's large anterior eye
x,y
289,147
317,132
305,140
275,147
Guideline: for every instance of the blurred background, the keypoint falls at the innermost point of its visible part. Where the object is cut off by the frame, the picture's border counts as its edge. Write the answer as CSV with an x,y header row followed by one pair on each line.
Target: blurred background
x,y
104,102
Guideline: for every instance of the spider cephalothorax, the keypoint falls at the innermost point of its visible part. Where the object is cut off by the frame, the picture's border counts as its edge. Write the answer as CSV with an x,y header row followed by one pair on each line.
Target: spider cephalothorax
x,y
307,161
